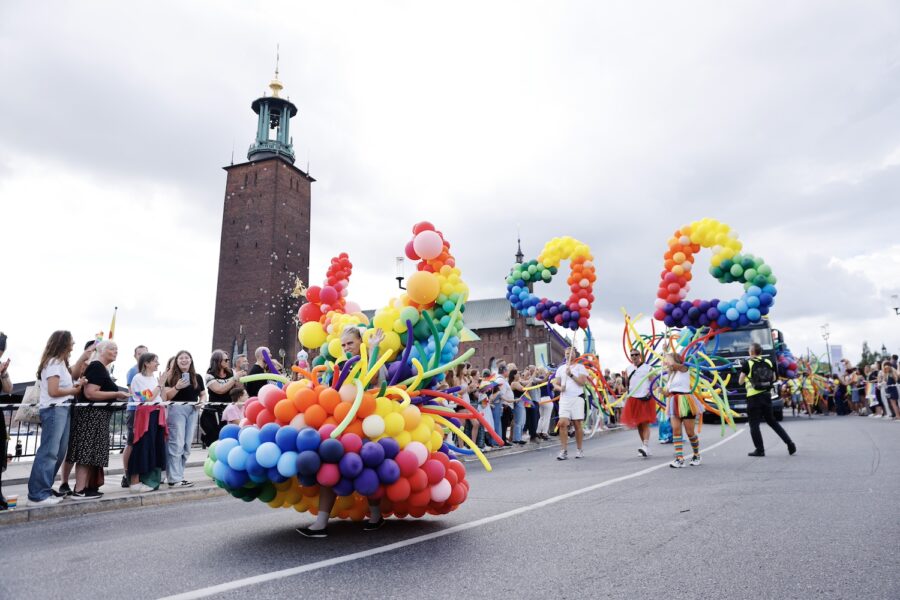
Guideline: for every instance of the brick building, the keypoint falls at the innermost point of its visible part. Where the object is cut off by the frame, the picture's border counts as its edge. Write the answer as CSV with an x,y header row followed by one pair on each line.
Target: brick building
x,y
265,237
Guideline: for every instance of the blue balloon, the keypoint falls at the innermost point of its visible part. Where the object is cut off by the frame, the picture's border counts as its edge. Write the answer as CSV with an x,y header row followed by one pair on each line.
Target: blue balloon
x,y
743,320
367,482
308,462
331,450
268,432
372,454
237,458
286,438
741,306
267,454
249,438
351,465
754,290
220,469
236,479
388,471
223,447
275,476
253,468
229,431
390,445
732,314
753,314
287,464
309,439
307,480
752,301
344,487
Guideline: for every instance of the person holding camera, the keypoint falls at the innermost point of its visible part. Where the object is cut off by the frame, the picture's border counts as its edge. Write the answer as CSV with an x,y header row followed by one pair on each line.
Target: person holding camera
x,y
184,390
758,376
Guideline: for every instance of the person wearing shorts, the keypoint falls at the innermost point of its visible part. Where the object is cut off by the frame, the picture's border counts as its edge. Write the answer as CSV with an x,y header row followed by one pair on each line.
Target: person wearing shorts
x,y
569,380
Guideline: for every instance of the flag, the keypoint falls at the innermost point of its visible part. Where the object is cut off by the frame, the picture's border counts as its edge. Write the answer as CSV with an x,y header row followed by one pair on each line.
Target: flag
x,y
112,325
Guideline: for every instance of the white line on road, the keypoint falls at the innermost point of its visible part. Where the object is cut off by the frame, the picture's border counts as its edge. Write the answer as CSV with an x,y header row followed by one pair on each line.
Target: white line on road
x,y
266,577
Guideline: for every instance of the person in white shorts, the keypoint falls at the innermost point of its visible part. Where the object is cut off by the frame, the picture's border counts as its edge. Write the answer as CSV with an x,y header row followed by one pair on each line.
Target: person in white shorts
x,y
569,380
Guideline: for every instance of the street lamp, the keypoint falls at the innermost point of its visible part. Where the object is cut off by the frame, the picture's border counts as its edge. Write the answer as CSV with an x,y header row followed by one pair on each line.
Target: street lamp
x,y
825,335
399,277
896,306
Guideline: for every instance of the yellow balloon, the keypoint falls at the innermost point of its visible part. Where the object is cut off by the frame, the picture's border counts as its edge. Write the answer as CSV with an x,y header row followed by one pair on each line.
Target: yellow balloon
x,y
312,334
403,439
423,287
412,416
334,348
393,424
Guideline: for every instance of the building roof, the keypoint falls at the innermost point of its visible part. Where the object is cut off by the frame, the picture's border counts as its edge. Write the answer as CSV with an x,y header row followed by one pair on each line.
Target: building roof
x,y
482,314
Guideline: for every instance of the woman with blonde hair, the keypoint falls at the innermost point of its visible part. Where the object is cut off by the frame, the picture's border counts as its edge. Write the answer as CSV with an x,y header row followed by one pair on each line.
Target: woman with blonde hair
x,y
682,408
59,384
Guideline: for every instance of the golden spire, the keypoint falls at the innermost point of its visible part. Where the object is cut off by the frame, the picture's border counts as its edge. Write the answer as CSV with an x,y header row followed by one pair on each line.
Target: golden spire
x,y
275,85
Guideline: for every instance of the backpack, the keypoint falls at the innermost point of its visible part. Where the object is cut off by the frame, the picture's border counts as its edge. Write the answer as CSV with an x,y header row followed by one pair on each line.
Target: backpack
x,y
762,377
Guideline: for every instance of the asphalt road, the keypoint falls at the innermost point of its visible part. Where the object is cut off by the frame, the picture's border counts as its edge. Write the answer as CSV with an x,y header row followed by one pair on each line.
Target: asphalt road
x,y
820,524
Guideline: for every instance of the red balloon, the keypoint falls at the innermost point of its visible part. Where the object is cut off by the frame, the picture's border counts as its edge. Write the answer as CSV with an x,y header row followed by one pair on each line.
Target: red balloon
x,y
329,295
312,293
434,470
419,500
422,226
309,312
410,251
407,462
418,480
398,491
252,410
265,417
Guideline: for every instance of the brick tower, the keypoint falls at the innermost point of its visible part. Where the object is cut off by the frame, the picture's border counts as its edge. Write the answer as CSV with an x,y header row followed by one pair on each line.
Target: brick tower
x,y
265,238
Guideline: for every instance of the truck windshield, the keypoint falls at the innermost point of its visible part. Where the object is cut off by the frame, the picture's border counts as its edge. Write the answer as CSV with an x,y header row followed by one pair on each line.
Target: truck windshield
x,y
738,342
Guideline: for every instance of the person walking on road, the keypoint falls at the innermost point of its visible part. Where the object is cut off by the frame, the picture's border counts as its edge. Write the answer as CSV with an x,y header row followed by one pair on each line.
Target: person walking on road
x,y
758,376
570,379
640,408
683,409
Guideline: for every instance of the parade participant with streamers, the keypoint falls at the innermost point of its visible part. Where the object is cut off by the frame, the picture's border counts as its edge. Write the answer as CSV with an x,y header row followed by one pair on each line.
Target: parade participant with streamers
x,y
640,409
569,380
682,408
758,375
351,343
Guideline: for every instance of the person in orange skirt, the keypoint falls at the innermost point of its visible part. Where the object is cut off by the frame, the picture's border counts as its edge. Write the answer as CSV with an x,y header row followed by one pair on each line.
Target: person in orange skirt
x,y
640,408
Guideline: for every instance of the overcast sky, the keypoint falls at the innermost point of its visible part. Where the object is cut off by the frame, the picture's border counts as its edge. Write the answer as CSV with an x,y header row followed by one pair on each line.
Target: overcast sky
x,y
615,123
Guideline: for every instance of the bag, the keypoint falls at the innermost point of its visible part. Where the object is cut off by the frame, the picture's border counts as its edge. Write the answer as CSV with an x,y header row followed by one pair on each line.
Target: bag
x,y
762,377
29,411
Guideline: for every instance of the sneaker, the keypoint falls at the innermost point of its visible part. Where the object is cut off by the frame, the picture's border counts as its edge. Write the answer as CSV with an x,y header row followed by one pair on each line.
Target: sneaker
x,y
695,461
370,526
756,453
126,481
139,488
792,449
644,451
563,455
678,463
579,453
312,533
48,501
65,489
86,494
181,484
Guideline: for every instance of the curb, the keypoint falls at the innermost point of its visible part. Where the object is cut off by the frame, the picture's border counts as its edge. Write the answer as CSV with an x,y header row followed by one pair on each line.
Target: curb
x,y
77,508
108,471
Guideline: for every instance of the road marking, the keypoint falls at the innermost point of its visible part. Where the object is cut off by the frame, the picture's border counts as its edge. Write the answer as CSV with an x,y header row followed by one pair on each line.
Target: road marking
x,y
266,577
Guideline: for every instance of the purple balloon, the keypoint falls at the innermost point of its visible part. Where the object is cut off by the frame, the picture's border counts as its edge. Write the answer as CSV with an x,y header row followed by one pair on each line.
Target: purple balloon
x,y
372,454
388,471
344,487
367,482
351,465
391,447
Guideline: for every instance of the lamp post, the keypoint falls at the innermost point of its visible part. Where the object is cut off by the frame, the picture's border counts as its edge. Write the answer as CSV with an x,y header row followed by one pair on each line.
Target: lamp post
x,y
825,335
896,307
399,277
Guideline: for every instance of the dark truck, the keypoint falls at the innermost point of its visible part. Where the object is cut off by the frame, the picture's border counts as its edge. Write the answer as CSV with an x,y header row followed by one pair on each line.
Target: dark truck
x,y
734,346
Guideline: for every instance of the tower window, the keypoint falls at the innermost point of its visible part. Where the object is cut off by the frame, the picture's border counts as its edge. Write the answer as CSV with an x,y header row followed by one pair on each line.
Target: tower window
x,y
245,179
255,178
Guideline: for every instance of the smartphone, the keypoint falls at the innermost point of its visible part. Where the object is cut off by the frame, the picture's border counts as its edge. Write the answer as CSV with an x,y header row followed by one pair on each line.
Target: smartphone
x,y
186,377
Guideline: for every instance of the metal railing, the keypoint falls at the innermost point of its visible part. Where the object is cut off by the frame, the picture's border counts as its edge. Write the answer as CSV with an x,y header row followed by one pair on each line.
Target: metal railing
x,y
29,434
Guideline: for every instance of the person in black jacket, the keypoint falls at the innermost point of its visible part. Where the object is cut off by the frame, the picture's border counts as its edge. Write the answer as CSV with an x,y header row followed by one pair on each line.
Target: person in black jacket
x,y
759,401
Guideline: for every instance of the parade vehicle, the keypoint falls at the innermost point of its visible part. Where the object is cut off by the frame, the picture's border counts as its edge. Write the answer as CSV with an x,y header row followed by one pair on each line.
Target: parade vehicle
x,y
734,346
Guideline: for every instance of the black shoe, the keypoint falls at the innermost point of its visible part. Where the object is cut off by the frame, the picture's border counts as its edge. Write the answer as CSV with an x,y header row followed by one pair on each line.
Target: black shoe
x,y
370,526
126,481
94,490
86,494
792,449
307,532
756,453
65,489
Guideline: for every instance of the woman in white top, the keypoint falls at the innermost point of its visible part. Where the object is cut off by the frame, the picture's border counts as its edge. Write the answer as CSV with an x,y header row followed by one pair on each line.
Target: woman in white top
x,y
148,454
59,384
682,408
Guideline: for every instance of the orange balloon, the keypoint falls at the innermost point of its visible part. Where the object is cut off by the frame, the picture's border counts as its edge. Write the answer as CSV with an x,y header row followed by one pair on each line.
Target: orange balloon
x,y
330,421
329,399
341,411
355,426
367,406
285,411
304,399
315,416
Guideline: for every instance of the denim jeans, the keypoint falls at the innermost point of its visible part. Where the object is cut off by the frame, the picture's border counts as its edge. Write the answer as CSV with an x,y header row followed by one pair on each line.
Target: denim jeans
x,y
55,423
496,414
518,421
182,421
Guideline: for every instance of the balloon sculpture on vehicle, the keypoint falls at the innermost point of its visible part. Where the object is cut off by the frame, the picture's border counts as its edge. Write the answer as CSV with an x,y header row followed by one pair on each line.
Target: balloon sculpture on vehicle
x,y
338,427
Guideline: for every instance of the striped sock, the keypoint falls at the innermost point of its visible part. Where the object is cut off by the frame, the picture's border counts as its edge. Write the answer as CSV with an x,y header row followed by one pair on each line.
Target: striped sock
x,y
678,442
695,444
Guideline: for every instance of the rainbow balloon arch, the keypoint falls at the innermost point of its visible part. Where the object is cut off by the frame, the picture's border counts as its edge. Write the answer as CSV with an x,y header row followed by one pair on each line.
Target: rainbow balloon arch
x,y
369,426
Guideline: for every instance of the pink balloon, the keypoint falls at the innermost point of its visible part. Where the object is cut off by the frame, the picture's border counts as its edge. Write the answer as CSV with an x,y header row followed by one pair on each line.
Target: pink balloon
x,y
328,295
427,244
328,474
352,307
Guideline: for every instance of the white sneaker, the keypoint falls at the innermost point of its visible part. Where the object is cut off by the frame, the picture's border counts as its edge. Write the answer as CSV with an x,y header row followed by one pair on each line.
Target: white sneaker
x,y
695,461
563,455
48,501
644,451
678,463
139,488
579,453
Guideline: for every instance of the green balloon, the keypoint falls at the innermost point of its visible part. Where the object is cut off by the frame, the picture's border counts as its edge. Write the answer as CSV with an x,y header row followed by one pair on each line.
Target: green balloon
x,y
208,468
764,269
750,274
546,275
737,270
212,451
267,493
526,276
